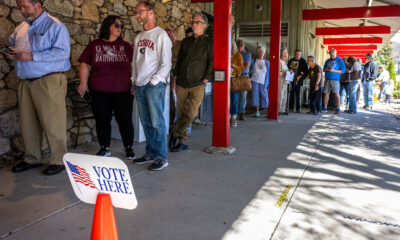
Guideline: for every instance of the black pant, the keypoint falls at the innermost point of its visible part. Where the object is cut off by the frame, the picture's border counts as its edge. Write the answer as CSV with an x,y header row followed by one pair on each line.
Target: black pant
x,y
295,90
315,98
104,104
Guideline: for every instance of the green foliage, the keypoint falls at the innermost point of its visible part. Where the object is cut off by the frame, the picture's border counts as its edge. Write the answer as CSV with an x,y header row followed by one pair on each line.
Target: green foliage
x,y
392,71
396,94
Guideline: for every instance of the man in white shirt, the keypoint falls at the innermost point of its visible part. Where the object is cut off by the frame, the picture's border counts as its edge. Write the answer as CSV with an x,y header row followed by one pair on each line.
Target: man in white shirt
x,y
383,78
151,67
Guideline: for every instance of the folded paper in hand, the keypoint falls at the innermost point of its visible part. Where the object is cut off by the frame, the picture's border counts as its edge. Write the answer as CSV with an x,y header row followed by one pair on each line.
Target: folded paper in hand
x,y
289,76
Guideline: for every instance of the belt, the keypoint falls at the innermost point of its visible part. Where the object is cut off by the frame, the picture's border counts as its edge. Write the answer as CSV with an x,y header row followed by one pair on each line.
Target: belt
x,y
34,79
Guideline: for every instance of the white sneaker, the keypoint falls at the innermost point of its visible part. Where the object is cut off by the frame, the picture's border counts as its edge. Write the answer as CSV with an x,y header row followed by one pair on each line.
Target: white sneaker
x,y
258,114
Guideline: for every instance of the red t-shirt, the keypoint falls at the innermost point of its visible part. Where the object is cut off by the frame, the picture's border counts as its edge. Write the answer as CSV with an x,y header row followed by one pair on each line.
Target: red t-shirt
x,y
110,65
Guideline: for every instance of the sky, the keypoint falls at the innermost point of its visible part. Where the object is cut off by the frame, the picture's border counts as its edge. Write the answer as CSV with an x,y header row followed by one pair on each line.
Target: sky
x,y
396,37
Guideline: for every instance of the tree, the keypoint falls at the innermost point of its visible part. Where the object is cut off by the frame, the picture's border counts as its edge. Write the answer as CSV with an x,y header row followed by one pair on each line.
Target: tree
x,y
392,72
384,56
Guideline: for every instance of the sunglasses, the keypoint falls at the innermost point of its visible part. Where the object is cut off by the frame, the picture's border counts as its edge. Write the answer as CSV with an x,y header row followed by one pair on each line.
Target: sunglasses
x,y
198,22
140,11
117,25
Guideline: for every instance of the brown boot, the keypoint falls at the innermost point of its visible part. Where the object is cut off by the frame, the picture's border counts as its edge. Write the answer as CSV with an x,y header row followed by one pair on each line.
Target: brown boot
x,y
241,116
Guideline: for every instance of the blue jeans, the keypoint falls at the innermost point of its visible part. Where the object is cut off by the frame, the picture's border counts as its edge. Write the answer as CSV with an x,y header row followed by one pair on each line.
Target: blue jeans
x,y
234,102
344,93
242,101
150,101
353,87
368,91
256,90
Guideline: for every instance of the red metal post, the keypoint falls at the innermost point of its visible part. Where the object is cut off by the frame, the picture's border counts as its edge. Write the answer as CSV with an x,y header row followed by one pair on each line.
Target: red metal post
x,y
221,90
275,46
352,13
367,40
352,30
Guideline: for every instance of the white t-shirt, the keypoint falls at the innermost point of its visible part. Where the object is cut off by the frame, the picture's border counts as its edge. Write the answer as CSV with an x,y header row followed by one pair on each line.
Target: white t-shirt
x,y
259,71
151,57
384,76
283,69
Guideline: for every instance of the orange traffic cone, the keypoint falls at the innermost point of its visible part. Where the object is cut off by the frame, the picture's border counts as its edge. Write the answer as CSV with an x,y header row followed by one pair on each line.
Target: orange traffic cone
x,y
104,226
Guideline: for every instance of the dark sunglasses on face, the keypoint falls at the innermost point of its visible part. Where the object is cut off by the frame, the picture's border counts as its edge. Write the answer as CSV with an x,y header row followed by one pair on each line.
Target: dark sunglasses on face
x,y
117,25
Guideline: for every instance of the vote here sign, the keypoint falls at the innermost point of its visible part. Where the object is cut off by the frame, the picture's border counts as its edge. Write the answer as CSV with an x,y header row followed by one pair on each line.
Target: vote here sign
x,y
90,175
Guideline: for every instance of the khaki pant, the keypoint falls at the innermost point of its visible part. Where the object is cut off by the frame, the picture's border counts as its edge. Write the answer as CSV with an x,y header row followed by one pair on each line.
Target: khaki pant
x,y
282,95
189,101
42,109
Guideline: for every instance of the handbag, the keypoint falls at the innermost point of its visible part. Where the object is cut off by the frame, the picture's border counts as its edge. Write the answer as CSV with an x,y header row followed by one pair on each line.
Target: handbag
x,y
240,84
355,75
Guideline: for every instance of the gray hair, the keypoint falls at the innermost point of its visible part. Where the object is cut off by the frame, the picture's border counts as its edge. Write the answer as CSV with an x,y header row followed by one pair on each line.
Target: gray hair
x,y
284,50
260,48
203,16
332,50
234,48
311,58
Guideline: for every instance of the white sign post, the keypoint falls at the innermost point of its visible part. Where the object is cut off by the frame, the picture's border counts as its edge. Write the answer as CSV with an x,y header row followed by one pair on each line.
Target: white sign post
x,y
91,175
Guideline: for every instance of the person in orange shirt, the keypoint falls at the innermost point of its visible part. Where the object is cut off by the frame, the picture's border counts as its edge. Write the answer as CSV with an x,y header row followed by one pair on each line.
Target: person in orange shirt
x,y
237,68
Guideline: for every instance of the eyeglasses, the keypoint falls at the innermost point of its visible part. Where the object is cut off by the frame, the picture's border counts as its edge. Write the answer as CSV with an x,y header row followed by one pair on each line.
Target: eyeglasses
x,y
197,22
117,25
140,11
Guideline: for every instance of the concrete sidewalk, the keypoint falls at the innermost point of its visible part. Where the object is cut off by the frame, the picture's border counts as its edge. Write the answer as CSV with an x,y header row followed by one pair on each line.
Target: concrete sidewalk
x,y
343,172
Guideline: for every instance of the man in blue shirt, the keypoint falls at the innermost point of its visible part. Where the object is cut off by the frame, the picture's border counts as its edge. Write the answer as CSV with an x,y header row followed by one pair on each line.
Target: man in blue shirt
x,y
41,48
246,63
333,67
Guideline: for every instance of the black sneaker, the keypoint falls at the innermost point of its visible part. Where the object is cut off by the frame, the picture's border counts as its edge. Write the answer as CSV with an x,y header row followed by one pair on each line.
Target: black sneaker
x,y
180,147
158,164
130,155
104,152
143,160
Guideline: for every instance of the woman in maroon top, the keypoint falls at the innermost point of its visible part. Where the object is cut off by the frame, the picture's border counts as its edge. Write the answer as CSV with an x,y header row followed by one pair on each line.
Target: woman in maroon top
x,y
105,72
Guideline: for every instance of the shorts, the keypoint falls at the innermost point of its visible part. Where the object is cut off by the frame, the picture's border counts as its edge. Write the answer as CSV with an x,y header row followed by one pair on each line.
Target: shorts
x,y
333,85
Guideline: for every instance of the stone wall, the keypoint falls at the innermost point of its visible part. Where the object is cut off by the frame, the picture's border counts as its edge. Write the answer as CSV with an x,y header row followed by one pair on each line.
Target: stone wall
x,y
82,18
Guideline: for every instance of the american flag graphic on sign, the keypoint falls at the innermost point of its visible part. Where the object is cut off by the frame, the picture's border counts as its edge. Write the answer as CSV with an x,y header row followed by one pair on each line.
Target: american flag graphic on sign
x,y
80,175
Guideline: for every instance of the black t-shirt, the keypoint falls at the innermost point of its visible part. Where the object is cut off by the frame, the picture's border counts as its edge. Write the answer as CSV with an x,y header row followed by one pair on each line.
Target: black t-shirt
x,y
313,73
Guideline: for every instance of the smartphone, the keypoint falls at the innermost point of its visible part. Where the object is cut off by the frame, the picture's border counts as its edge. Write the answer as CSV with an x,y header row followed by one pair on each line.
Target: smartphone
x,y
8,50
87,97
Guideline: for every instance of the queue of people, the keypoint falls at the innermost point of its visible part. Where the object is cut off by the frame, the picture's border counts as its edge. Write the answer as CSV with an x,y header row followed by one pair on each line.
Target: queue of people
x,y
113,72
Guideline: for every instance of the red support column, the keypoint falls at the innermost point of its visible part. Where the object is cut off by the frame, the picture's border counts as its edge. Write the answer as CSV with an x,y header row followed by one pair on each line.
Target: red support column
x,y
221,90
275,46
